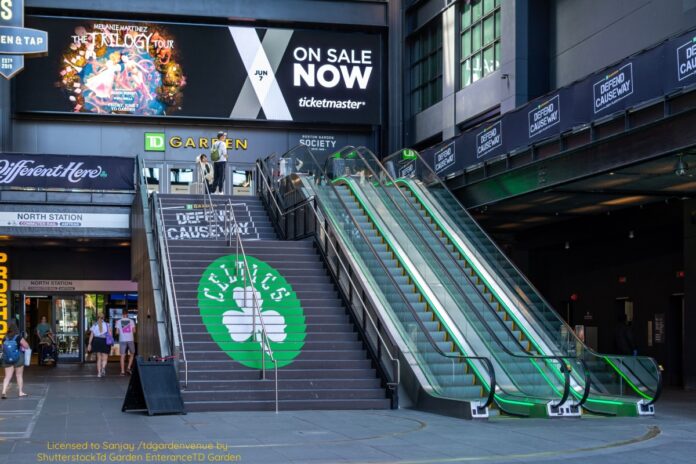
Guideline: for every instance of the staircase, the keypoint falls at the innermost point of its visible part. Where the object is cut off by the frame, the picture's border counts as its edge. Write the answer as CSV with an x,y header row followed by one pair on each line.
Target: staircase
x,y
332,369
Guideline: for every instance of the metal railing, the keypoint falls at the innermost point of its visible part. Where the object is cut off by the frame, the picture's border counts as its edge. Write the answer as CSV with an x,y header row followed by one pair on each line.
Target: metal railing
x,y
354,289
166,275
232,225
213,219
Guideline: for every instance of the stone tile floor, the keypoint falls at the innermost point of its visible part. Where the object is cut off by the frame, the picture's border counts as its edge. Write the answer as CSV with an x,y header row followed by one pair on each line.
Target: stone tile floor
x,y
70,406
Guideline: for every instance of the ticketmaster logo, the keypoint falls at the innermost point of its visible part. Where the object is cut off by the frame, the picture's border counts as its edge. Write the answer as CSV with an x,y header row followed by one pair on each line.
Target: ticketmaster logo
x,y
154,141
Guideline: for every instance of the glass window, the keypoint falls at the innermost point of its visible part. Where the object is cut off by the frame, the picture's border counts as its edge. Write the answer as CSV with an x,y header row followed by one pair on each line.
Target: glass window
x,y
466,43
488,60
152,178
476,67
180,179
241,182
488,30
480,39
425,67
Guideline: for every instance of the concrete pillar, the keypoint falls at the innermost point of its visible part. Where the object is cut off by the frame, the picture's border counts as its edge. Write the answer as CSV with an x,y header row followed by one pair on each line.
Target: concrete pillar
x,y
449,71
5,116
395,79
689,348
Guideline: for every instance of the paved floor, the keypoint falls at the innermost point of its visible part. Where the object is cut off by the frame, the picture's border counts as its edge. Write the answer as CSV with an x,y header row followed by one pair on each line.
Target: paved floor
x,y
70,407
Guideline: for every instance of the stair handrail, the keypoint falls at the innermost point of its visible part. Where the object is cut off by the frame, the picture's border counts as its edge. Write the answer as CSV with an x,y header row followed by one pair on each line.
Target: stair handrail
x,y
168,278
489,366
256,310
168,338
208,203
565,368
310,202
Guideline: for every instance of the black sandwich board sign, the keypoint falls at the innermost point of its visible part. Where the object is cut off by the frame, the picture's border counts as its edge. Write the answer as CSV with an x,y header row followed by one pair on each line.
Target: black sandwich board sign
x,y
154,386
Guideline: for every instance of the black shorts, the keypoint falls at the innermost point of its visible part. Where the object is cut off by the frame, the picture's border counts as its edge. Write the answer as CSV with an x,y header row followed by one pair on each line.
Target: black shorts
x,y
99,345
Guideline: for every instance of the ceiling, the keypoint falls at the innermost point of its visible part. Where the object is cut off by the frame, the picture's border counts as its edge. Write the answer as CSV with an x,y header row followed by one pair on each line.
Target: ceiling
x,y
640,184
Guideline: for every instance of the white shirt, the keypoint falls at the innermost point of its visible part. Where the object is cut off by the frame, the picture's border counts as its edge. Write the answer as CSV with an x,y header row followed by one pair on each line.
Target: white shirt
x,y
98,333
125,328
222,149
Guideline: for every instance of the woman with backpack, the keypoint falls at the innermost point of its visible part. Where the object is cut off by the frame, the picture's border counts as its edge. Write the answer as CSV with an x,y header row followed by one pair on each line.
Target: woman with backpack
x,y
13,358
100,340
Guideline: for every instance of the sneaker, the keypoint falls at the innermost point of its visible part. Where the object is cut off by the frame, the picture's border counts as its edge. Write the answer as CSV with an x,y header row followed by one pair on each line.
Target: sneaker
x,y
99,375
103,372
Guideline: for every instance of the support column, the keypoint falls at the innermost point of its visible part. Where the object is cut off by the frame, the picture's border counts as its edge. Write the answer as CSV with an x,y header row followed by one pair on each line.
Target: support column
x,y
449,72
5,116
395,89
689,348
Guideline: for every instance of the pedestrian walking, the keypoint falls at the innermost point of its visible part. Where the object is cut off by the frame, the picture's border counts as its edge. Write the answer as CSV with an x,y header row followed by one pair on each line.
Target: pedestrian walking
x,y
125,328
13,351
99,337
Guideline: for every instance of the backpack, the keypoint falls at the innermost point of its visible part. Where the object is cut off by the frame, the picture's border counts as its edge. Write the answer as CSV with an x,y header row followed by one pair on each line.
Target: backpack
x,y
215,152
10,351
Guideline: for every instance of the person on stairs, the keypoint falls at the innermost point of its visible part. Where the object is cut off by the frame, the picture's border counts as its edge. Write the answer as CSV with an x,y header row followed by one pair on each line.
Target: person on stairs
x,y
218,154
204,173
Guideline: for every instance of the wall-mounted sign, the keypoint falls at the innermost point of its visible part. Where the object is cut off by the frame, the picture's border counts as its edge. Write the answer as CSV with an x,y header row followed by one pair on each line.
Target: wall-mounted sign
x,y
157,141
16,41
58,285
63,219
686,59
66,172
489,139
177,70
4,294
444,158
644,77
544,116
319,143
613,87
659,328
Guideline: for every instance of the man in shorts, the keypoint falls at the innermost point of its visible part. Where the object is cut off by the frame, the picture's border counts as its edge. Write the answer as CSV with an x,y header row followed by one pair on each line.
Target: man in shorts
x,y
125,327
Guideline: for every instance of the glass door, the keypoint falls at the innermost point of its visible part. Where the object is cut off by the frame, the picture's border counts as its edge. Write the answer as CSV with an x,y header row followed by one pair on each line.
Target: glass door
x,y
66,314
242,179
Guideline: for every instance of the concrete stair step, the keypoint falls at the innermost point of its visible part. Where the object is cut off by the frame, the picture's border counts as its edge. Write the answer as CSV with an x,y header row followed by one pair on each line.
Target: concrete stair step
x,y
289,405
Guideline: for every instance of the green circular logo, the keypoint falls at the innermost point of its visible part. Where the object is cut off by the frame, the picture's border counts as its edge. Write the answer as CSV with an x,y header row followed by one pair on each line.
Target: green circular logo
x,y
226,304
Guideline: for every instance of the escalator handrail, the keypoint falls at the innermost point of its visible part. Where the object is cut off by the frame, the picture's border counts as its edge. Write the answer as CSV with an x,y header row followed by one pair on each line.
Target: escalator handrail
x,y
519,273
565,367
489,365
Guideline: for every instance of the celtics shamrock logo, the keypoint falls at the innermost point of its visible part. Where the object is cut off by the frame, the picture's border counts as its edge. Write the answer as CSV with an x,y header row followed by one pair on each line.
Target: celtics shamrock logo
x,y
227,306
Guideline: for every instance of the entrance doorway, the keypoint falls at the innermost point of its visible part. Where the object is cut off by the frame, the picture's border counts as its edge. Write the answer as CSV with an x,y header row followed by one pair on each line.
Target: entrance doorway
x,y
674,362
70,316
62,313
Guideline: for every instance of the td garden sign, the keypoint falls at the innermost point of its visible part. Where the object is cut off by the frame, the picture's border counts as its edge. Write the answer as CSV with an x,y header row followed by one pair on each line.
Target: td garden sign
x,y
16,40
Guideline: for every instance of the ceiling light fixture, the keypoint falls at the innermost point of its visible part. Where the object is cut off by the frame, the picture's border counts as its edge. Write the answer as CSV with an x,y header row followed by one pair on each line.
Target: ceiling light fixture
x,y
681,167
567,245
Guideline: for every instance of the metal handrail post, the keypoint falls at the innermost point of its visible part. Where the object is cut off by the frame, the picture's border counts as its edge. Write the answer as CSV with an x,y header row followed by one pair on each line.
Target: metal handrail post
x,y
256,309
169,276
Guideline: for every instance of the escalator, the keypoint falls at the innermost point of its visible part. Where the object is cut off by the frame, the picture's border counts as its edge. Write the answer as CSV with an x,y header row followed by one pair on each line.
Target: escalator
x,y
540,380
527,386
619,385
